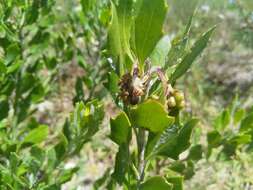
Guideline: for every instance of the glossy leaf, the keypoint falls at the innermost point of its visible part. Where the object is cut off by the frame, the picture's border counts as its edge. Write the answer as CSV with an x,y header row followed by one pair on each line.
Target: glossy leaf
x,y
158,56
119,34
120,129
148,27
178,46
36,135
151,115
182,141
114,39
185,135
124,11
172,142
187,61
162,142
157,183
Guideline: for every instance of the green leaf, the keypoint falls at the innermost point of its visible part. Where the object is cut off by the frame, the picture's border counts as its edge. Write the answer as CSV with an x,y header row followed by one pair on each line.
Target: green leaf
x,y
120,129
66,175
114,40
14,162
157,183
247,123
62,147
178,46
164,142
86,119
151,115
239,115
36,135
188,26
66,130
14,67
94,118
241,139
4,108
148,27
79,90
175,179
51,160
187,61
32,13
119,34
2,31
3,68
38,153
112,83
214,139
195,153
185,135
12,52
124,11
8,33
178,166
182,141
83,124
158,56
50,63
222,121
121,164
28,82
172,142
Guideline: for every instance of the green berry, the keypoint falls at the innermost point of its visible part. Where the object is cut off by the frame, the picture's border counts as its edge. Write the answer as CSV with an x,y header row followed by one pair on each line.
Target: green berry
x,y
179,96
181,105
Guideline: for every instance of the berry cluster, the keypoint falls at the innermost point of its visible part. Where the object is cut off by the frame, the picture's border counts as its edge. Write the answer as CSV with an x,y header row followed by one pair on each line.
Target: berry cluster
x,y
175,99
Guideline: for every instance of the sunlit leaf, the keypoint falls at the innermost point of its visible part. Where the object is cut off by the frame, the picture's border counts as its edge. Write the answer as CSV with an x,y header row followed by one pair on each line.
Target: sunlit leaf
x,y
148,27
187,61
36,135
151,115
120,129
157,182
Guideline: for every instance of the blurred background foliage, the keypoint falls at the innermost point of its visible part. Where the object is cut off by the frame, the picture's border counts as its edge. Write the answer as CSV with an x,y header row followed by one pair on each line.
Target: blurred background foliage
x,y
55,59
224,74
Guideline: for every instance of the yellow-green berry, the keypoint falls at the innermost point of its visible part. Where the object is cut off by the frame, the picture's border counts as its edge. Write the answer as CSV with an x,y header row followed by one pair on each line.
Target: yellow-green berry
x,y
171,102
181,105
179,96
